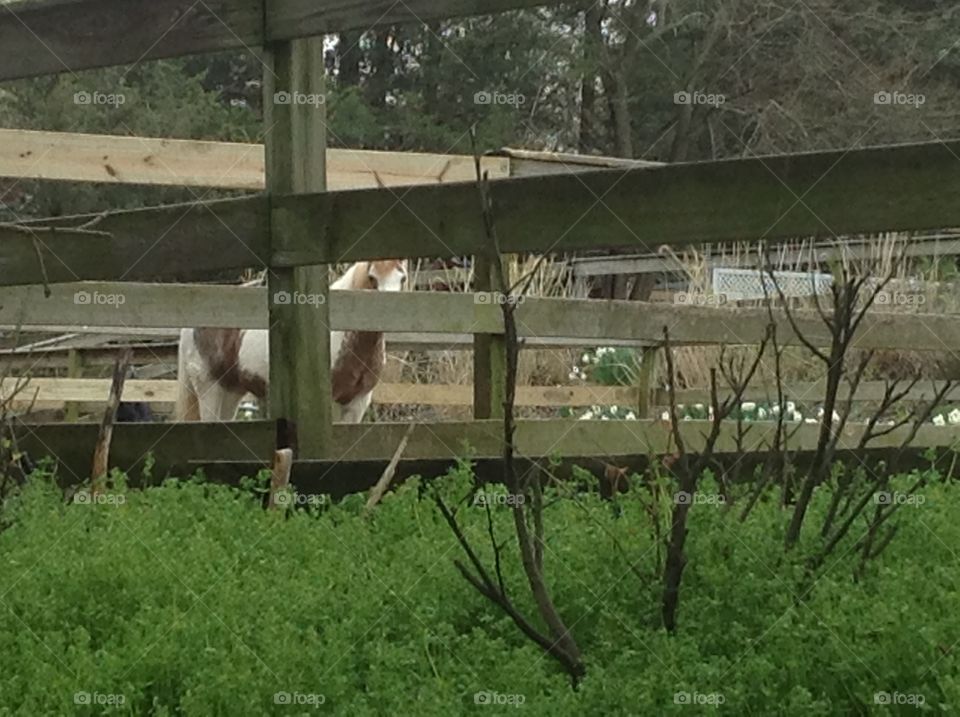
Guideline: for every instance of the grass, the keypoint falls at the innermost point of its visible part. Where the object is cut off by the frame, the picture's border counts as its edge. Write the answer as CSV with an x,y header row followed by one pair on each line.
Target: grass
x,y
190,599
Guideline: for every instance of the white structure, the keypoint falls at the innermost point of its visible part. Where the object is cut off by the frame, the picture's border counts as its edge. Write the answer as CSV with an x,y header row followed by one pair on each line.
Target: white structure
x,y
743,284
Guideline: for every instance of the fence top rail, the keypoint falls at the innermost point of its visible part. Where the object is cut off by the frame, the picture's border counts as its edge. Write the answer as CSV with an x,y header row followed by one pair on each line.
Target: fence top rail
x,y
40,37
811,194
118,159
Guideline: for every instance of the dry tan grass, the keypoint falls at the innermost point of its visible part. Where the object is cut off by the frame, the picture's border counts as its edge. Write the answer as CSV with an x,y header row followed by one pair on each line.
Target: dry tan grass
x,y
914,277
538,367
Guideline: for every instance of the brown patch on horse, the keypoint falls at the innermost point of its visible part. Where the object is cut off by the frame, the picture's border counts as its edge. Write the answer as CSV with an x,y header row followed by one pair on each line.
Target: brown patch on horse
x,y
360,279
387,266
220,349
357,368
363,354
368,273
188,408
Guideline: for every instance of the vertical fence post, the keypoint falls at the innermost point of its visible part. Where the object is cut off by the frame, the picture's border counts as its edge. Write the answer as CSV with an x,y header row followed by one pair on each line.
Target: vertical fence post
x,y
295,142
71,410
489,351
648,363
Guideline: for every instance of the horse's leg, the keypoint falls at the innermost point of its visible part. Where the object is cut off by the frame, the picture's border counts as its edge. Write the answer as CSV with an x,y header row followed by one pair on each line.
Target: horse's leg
x,y
187,407
354,411
217,403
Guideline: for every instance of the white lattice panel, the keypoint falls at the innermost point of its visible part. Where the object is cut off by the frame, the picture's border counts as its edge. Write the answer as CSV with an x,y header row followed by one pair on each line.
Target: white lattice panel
x,y
742,284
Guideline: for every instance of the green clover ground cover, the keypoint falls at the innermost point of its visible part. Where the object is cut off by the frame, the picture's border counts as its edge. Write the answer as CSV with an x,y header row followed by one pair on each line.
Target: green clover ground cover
x,y
191,599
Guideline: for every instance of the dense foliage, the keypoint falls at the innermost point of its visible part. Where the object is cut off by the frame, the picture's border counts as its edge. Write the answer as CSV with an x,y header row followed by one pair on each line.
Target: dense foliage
x,y
190,599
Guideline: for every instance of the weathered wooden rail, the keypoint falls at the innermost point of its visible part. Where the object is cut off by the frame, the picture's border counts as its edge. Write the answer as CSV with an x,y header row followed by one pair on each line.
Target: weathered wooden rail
x,y
53,393
112,159
117,159
50,393
166,306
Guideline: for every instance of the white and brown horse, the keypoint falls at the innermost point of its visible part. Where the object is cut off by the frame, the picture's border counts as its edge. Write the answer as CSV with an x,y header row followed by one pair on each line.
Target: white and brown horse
x,y
218,367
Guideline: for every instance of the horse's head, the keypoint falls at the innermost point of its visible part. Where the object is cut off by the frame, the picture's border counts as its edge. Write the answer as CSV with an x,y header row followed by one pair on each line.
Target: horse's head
x,y
387,275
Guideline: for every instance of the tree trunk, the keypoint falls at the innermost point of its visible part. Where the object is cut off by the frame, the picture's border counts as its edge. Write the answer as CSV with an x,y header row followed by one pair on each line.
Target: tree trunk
x,y
621,128
681,135
592,43
381,68
348,59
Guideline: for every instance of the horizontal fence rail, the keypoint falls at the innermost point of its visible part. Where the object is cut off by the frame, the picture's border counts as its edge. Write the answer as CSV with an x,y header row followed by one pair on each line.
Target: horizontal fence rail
x,y
157,306
54,392
253,441
179,241
829,193
396,341
111,159
51,392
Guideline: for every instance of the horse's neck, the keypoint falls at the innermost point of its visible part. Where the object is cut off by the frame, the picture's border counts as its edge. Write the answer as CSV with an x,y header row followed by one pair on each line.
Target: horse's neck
x,y
347,280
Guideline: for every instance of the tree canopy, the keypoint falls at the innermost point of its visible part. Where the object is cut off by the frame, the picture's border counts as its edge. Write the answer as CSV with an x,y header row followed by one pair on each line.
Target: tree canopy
x,y
680,81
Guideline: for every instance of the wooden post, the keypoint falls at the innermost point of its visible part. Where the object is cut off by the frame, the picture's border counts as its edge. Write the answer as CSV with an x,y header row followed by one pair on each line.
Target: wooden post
x,y
280,477
71,411
648,363
101,452
295,145
489,351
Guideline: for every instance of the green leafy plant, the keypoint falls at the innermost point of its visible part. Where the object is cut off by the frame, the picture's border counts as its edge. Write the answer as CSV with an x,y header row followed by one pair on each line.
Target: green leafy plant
x,y
189,598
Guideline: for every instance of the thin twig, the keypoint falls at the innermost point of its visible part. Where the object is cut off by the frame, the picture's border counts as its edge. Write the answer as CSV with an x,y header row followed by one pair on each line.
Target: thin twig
x,y
377,492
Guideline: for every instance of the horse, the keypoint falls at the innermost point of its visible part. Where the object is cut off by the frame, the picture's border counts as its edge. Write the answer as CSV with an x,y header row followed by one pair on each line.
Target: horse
x,y
218,367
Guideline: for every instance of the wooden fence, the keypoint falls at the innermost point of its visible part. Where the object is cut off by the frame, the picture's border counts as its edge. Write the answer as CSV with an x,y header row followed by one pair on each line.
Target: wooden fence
x,y
296,226
55,393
